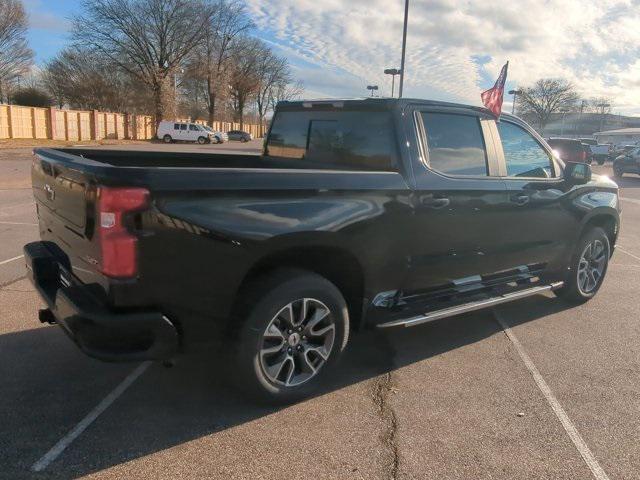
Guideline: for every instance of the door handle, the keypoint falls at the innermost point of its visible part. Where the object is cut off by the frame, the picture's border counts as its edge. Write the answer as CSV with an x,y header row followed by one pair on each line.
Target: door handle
x,y
521,199
435,203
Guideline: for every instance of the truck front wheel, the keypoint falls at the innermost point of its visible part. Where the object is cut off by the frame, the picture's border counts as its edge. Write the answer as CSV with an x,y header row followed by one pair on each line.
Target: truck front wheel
x,y
588,267
295,328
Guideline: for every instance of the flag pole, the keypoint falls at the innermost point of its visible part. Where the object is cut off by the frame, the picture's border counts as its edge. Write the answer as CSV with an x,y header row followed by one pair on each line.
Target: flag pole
x,y
404,46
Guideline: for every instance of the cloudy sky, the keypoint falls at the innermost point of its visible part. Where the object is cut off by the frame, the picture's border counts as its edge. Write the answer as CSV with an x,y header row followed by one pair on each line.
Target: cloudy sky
x,y
455,48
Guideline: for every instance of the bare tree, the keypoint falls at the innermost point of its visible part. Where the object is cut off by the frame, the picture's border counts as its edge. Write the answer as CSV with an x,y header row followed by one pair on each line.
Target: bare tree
x,y
55,85
87,81
273,73
31,96
16,57
600,105
546,97
211,62
283,92
244,78
149,39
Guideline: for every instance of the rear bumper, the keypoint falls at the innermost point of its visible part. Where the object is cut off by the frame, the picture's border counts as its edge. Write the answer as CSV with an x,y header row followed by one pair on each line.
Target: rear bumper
x,y
98,331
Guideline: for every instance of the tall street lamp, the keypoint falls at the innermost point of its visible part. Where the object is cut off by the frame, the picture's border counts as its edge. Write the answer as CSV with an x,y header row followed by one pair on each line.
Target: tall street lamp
x,y
602,107
393,72
515,94
404,46
564,112
372,88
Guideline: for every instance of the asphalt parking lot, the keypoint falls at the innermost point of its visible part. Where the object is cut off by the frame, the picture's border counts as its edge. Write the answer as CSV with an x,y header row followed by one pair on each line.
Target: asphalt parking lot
x,y
534,389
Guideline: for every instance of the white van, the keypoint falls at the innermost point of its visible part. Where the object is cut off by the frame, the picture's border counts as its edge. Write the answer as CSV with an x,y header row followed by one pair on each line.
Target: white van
x,y
185,132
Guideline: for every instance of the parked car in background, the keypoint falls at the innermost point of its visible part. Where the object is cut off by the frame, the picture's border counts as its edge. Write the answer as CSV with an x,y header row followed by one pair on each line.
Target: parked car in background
x,y
622,149
170,132
600,151
218,137
240,136
628,162
571,150
380,213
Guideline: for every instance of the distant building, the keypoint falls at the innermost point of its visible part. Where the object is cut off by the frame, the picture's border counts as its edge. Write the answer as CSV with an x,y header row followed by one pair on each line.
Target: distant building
x,y
620,136
576,124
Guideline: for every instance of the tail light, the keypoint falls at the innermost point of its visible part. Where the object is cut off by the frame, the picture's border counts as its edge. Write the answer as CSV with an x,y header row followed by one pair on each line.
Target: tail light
x,y
118,247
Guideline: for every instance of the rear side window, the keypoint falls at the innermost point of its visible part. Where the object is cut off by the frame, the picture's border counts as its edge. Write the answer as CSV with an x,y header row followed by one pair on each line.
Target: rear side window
x,y
523,155
455,144
183,126
176,126
356,140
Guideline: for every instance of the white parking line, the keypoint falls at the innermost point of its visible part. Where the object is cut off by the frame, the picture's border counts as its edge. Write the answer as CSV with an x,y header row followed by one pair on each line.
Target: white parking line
x,y
630,200
18,223
65,441
567,424
16,206
3,262
618,247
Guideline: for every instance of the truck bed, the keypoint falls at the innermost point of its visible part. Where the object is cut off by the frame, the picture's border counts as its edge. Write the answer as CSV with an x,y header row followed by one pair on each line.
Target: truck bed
x,y
204,171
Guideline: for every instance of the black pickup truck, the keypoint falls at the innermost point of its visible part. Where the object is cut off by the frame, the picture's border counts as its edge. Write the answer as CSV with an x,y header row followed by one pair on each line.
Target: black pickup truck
x,y
359,213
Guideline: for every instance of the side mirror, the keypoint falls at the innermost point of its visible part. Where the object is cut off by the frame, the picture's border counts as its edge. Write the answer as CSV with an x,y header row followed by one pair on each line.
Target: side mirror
x,y
577,173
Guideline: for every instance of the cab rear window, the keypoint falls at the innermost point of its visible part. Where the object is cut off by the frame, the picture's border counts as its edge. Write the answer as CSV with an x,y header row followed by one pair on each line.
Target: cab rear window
x,y
354,140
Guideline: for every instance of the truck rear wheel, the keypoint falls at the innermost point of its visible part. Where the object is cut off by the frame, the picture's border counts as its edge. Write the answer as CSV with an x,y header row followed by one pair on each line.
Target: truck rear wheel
x,y
588,267
295,328
167,139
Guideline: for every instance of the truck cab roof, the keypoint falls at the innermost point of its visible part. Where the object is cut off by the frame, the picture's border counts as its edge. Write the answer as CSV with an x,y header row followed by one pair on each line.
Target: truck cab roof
x,y
375,103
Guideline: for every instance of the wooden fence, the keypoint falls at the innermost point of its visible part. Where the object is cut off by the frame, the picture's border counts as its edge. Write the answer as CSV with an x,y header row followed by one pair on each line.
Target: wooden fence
x,y
78,125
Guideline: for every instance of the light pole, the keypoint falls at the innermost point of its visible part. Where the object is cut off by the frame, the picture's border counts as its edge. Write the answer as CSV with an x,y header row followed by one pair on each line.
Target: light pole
x,y
602,106
404,46
393,72
372,88
583,103
564,112
515,94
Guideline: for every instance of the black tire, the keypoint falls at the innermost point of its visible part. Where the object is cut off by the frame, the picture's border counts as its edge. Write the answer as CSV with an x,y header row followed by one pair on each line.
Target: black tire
x,y
617,171
265,301
572,290
601,160
244,140
202,140
167,139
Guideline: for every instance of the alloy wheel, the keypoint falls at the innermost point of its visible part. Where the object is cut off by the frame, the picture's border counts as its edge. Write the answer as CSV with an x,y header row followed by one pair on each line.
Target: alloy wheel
x,y
297,342
591,266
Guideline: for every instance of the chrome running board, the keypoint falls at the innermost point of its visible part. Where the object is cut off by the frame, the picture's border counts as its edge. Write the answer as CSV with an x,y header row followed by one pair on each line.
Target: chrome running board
x,y
469,307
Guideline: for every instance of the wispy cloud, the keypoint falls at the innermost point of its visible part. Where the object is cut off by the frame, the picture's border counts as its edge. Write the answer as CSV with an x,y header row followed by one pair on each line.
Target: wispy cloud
x,y
455,47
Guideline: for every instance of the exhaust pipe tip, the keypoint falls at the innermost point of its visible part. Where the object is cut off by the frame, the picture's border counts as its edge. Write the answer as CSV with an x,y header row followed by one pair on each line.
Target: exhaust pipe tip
x,y
46,316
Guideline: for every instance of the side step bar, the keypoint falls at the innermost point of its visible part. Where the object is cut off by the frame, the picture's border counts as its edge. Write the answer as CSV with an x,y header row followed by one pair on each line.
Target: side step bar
x,y
469,307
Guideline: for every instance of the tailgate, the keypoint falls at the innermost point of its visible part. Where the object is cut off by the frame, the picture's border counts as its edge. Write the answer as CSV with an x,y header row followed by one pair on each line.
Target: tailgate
x,y
65,200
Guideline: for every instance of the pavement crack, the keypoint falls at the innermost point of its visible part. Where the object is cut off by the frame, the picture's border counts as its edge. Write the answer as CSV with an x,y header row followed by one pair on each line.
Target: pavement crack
x,y
383,386
11,282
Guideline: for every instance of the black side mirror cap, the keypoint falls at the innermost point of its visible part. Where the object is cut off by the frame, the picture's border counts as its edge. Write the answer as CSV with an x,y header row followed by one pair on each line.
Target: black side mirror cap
x,y
577,173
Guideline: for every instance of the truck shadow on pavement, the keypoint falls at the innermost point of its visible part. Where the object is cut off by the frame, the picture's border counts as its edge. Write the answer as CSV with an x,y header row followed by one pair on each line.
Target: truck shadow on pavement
x,y
48,387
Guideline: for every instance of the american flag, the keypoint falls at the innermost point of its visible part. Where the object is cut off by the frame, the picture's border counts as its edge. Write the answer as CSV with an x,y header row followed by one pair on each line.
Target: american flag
x,y
492,98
